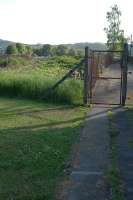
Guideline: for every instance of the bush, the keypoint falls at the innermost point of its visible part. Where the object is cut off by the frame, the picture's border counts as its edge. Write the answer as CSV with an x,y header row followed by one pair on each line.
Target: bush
x,y
63,61
3,62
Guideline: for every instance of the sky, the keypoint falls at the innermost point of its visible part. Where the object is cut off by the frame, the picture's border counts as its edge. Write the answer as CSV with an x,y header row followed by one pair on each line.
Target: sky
x,y
60,21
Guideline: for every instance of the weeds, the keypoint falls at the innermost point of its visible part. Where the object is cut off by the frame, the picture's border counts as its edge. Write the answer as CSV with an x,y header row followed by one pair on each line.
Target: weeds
x,y
34,81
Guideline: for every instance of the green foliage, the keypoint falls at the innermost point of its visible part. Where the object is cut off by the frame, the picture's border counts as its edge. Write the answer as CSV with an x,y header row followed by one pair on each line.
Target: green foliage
x,y
115,35
110,114
28,51
66,49
79,53
21,48
63,61
71,52
46,50
14,61
3,62
12,50
61,50
34,81
113,172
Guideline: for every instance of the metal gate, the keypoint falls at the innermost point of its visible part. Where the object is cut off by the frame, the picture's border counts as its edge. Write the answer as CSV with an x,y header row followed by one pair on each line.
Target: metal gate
x,y
107,76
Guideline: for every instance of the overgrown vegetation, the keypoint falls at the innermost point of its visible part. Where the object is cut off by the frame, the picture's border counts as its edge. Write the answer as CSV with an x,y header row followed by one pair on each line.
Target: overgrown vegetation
x,y
113,172
32,78
35,141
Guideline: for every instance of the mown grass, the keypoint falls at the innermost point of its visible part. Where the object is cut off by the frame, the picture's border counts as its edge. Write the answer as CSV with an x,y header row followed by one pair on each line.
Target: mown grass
x,y
34,80
35,141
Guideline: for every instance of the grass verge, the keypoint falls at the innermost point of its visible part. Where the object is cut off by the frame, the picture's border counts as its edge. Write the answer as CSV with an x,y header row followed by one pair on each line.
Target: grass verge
x,y
35,141
129,115
113,172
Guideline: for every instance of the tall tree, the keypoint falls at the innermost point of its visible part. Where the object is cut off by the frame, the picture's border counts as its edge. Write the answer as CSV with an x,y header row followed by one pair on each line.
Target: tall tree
x,y
21,48
12,50
115,36
46,50
71,52
28,50
61,50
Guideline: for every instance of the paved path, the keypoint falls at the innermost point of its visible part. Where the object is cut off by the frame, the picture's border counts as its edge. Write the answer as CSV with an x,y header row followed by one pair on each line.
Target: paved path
x,y
91,159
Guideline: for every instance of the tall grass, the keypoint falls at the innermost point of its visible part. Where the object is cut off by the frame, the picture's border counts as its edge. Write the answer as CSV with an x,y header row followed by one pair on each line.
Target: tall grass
x,y
35,83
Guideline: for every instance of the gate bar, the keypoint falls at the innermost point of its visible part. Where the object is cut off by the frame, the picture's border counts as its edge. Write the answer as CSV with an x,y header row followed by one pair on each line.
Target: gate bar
x,y
124,73
106,77
105,103
108,51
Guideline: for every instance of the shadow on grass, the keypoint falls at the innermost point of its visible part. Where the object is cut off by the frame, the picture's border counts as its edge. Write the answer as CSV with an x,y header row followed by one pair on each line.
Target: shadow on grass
x,y
32,159
44,126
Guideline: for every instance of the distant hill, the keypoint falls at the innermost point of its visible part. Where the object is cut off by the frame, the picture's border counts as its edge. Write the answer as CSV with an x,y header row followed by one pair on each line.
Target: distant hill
x,y
4,44
96,45
81,46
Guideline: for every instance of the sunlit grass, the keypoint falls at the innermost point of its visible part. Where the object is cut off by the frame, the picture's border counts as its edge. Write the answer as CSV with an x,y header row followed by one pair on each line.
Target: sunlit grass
x,y
34,82
35,141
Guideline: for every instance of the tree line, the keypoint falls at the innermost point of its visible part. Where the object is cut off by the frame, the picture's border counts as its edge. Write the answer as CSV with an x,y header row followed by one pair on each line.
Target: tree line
x,y
45,50
114,33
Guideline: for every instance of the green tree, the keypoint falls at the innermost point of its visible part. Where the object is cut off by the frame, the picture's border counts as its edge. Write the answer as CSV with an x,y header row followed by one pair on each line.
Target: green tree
x,y
12,50
21,48
71,52
38,51
53,51
28,50
115,36
46,50
80,53
61,50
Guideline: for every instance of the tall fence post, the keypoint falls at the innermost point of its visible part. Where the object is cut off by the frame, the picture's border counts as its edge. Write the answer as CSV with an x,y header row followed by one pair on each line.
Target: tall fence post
x,y
86,78
124,73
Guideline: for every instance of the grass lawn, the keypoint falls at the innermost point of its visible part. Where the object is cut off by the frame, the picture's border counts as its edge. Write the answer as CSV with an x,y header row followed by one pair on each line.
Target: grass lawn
x,y
35,140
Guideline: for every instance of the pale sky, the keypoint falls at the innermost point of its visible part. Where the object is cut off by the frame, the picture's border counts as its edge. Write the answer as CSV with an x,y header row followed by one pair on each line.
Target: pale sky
x,y
60,21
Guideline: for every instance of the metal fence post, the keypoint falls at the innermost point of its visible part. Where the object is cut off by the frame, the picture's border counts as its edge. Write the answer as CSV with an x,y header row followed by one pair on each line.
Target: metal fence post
x,y
86,78
124,73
